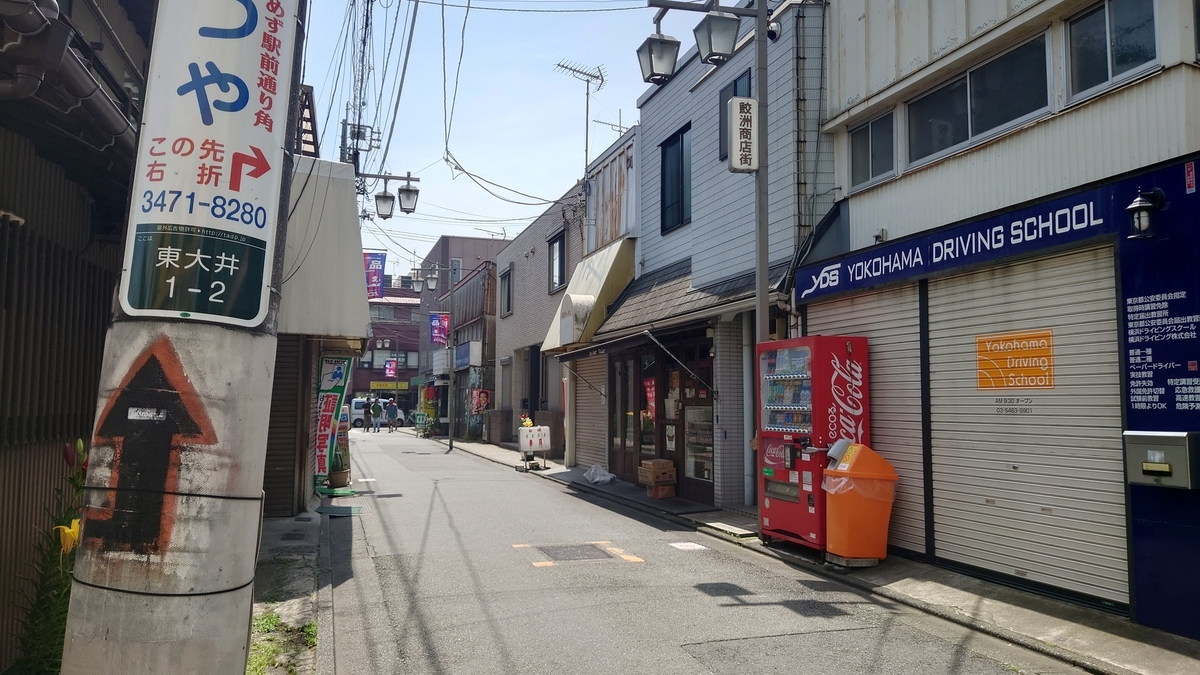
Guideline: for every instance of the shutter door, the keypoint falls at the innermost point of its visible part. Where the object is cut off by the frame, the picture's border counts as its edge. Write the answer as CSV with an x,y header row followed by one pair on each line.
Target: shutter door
x,y
1030,481
591,412
283,433
890,320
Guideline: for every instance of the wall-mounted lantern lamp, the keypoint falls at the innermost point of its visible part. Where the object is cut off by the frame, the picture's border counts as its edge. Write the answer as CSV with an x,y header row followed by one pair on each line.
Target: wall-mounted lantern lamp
x,y
1141,212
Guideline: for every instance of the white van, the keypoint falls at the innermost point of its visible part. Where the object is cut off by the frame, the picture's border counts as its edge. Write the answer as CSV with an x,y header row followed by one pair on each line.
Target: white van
x,y
356,413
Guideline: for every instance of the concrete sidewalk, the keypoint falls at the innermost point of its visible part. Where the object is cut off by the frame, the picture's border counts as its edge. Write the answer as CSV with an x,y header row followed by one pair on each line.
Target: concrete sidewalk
x,y
1090,639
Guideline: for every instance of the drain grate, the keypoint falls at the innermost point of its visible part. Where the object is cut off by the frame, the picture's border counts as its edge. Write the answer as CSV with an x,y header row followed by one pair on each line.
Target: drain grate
x,y
293,536
581,552
303,519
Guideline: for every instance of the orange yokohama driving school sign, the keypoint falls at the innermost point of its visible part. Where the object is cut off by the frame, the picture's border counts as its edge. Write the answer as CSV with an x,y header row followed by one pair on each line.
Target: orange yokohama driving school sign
x,y
1020,360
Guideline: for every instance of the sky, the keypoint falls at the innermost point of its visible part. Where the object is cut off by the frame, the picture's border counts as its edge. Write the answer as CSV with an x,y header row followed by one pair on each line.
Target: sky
x,y
516,121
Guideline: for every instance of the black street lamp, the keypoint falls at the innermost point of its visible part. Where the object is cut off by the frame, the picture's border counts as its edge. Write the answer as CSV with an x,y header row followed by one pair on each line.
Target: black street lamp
x,y
1141,212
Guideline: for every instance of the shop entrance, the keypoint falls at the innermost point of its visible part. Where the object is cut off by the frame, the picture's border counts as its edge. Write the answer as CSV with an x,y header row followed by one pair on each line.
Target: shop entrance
x,y
660,410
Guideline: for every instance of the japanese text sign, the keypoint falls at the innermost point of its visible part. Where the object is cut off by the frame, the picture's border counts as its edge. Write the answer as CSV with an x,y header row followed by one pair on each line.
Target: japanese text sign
x,y
439,327
329,402
209,169
743,134
373,263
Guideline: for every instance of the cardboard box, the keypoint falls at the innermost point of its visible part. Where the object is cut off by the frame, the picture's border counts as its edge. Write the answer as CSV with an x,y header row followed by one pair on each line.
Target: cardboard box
x,y
649,476
660,491
658,464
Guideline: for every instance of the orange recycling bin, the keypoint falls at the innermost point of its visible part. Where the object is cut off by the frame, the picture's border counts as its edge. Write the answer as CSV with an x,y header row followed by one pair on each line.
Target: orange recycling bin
x,y
859,492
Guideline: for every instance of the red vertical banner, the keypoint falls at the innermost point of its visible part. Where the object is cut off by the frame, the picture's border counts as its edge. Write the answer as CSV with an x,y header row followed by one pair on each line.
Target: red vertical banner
x,y
648,386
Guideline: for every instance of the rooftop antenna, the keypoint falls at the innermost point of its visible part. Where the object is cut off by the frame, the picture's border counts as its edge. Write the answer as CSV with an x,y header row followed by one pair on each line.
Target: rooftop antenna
x,y
589,76
618,127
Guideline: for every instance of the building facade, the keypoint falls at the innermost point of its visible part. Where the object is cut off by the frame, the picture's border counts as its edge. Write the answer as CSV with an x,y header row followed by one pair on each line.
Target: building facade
x,y
1023,332
533,273
394,337
675,347
445,263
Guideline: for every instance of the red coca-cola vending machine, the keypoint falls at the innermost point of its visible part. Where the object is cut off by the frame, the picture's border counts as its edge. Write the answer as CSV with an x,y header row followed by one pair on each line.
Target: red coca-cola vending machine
x,y
813,391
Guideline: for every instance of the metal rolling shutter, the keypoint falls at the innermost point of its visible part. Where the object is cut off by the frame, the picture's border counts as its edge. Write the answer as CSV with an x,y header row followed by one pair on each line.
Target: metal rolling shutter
x,y
1033,488
283,433
891,321
591,412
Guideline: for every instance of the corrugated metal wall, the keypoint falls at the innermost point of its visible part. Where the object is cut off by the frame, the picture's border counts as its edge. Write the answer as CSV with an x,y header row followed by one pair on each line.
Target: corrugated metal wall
x,y
591,418
891,321
284,432
56,290
1030,482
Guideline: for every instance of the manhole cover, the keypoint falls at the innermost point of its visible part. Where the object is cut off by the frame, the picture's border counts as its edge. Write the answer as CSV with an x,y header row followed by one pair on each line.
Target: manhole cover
x,y
581,552
293,536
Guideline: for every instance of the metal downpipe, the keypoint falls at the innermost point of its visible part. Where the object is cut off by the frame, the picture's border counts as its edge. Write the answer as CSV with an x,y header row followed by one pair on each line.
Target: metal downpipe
x,y
28,17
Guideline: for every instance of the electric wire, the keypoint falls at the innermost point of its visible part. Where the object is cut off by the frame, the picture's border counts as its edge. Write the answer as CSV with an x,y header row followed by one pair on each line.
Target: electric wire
x,y
400,88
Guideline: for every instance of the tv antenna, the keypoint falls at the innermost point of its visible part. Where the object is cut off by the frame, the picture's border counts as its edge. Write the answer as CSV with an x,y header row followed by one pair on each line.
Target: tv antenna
x,y
590,76
618,127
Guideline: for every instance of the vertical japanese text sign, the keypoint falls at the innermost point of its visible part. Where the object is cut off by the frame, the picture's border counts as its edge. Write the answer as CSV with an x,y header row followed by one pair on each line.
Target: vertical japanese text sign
x,y
743,134
373,263
206,191
334,372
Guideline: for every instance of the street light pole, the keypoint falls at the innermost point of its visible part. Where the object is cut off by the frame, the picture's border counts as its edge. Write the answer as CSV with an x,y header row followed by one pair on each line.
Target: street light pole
x,y
761,15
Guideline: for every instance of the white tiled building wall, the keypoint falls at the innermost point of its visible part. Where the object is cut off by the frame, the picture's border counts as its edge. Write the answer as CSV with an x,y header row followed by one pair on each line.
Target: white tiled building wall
x,y
729,443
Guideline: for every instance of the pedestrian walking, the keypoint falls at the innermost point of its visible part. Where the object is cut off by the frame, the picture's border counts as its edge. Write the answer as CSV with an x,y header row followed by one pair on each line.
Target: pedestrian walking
x,y
393,414
377,414
367,415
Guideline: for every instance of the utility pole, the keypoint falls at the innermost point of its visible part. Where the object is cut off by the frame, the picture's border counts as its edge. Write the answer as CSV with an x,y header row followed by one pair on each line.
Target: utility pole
x,y
163,581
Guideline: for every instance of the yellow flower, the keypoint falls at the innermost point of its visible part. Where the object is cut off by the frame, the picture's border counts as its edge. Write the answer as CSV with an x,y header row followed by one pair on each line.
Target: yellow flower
x,y
68,536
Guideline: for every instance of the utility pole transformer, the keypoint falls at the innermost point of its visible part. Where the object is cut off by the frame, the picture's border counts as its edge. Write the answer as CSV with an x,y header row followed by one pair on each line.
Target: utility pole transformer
x,y
163,580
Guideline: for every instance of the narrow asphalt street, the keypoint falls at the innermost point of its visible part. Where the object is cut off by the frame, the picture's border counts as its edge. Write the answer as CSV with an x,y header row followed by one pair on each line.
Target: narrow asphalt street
x,y
460,565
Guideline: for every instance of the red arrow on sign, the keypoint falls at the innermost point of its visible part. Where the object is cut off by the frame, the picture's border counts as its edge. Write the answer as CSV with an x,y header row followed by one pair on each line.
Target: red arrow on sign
x,y
257,162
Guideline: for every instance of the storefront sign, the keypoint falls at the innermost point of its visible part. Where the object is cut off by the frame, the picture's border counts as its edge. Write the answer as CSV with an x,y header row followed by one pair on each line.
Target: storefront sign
x,y
648,386
373,264
205,203
468,355
331,391
1160,284
377,385
439,327
743,134
1055,223
1020,360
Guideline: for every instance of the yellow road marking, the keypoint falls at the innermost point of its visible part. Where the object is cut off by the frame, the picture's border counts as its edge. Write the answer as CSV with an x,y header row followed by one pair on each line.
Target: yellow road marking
x,y
599,542
545,563
520,545
631,558
616,551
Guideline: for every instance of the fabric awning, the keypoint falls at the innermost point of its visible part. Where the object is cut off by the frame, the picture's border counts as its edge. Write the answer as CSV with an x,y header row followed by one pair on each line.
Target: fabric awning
x,y
597,281
324,289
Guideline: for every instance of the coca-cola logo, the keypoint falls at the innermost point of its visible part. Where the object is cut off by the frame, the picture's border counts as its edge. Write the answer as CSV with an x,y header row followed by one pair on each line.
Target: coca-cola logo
x,y
776,454
846,419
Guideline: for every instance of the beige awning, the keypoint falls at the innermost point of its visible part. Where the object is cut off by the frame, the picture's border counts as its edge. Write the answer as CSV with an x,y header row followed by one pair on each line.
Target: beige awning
x,y
596,283
325,288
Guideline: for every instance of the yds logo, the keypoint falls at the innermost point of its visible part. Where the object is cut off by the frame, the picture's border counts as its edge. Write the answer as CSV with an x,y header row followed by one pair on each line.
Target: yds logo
x,y
846,413
829,276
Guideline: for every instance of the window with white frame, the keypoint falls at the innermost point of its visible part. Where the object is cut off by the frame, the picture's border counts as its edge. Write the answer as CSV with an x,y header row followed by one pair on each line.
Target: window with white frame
x,y
1110,40
506,292
997,94
739,87
872,150
676,180
558,260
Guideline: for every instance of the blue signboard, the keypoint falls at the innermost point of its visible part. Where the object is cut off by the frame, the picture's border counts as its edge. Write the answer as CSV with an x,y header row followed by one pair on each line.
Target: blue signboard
x,y
1052,224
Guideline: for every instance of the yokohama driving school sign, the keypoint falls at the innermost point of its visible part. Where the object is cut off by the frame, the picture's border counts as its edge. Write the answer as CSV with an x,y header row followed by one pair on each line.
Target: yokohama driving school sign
x,y
205,203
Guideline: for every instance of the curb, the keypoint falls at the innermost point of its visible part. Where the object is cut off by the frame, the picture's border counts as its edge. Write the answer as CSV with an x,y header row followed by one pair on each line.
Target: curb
x,y
326,646
1076,659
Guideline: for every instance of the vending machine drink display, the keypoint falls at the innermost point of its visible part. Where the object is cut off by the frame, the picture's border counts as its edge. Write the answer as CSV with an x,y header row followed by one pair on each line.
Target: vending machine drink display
x,y
813,392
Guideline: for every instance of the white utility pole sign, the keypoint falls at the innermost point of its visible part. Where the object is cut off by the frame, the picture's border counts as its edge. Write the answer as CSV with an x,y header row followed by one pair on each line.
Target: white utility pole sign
x,y
743,134
202,220
163,580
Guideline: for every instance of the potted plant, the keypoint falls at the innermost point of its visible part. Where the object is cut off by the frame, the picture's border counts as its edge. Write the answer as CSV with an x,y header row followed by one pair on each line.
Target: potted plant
x,y
339,473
